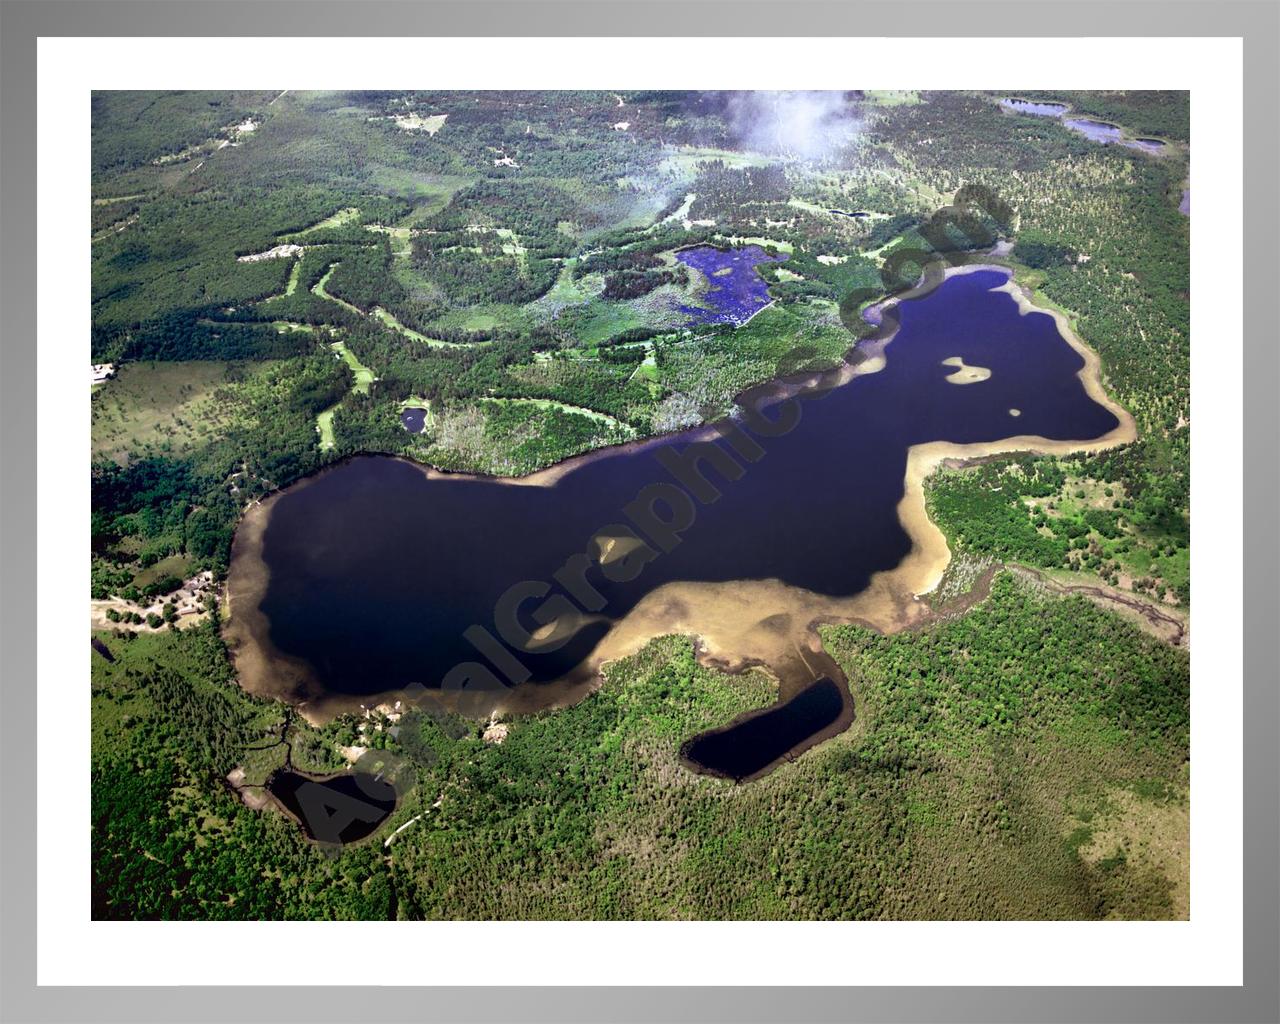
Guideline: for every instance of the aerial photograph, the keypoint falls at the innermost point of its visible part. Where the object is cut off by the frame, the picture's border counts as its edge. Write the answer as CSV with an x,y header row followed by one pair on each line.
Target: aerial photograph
x,y
670,505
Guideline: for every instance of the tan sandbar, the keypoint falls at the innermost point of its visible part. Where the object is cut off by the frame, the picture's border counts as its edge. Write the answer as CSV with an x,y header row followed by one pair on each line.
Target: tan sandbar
x,y
964,373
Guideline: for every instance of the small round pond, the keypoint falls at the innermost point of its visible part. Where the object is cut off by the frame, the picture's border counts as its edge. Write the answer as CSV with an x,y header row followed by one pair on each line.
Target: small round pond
x,y
413,420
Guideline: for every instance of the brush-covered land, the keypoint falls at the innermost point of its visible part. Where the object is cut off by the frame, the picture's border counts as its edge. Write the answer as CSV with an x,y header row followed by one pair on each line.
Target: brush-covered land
x,y
976,783
278,276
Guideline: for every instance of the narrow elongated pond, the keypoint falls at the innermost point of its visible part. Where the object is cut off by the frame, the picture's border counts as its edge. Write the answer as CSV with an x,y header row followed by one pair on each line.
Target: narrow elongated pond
x,y
1036,109
378,574
748,747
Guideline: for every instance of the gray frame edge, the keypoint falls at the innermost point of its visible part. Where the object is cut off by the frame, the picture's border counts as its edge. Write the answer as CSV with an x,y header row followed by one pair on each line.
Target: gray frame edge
x,y
23,21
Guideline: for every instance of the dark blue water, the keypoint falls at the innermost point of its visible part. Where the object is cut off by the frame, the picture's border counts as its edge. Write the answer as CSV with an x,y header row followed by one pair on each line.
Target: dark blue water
x,y
737,291
413,420
376,570
341,809
1034,108
745,749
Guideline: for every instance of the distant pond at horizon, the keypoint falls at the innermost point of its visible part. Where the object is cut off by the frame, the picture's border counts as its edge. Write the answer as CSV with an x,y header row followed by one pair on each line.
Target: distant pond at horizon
x,y
1091,128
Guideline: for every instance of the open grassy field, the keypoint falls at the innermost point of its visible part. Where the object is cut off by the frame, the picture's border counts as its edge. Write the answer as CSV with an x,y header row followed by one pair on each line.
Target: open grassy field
x,y
324,427
401,238
390,320
892,97
172,407
346,215
364,376
683,162
319,289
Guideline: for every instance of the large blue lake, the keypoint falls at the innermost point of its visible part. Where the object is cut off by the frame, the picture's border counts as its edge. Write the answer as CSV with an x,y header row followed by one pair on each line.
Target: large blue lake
x,y
376,571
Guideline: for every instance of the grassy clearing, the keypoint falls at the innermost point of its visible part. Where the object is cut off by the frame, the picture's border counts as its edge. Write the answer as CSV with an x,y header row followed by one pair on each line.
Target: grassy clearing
x,y
804,204
319,289
603,320
682,212
684,161
343,216
648,372
292,285
718,367
566,291
430,124
324,427
166,406
761,241
892,97
429,192
511,246
513,438
597,320
1144,830
390,320
179,566
401,238
364,375
490,317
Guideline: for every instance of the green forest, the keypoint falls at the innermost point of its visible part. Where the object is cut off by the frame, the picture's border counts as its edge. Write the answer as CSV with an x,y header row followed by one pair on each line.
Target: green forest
x,y
277,276
978,787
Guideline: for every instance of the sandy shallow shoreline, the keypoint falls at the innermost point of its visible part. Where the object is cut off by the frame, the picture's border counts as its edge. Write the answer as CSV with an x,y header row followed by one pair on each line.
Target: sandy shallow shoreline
x,y
739,624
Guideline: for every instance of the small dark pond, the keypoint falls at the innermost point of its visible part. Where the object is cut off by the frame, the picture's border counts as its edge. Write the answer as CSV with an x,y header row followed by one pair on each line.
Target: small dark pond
x,y
856,214
340,809
751,745
413,420
737,292
1039,109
